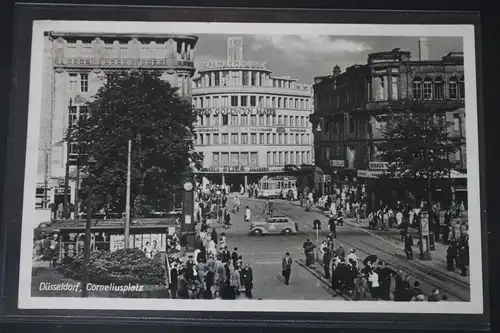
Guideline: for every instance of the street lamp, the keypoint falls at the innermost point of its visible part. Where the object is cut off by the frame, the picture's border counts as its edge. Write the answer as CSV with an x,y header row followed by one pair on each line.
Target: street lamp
x,y
86,245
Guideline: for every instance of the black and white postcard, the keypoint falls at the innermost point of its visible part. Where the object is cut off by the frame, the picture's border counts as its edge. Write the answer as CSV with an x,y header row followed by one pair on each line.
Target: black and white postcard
x,y
284,167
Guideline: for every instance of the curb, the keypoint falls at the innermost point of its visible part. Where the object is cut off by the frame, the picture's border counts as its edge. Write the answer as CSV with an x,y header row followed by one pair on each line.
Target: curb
x,y
320,278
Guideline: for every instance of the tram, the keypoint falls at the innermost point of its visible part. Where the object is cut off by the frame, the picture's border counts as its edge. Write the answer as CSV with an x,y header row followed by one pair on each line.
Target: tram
x,y
278,187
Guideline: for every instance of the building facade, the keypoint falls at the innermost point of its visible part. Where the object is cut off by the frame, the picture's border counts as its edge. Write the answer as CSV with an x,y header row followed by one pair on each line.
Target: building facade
x,y
250,123
75,67
350,107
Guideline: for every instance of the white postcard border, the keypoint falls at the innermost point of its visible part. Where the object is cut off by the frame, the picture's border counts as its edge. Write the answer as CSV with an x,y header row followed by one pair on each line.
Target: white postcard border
x,y
475,306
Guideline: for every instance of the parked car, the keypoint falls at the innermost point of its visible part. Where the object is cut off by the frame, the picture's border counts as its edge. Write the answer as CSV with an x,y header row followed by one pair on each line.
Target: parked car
x,y
274,225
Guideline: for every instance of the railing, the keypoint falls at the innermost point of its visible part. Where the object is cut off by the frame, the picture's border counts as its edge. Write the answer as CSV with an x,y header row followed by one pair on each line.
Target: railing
x,y
251,89
128,62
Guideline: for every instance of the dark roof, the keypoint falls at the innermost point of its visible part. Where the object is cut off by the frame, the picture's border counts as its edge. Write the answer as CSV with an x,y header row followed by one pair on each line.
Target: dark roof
x,y
109,224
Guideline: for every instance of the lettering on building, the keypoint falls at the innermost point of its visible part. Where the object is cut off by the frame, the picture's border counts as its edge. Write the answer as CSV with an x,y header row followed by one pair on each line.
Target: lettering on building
x,y
298,130
207,130
235,64
240,168
378,165
234,111
337,163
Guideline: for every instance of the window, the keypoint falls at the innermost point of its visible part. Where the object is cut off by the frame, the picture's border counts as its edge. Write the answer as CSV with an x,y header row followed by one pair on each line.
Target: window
x,y
292,157
73,114
234,159
208,120
297,139
285,140
292,122
217,79
244,159
285,120
274,138
253,101
458,155
453,87
253,119
225,159
246,78
461,87
244,100
302,139
308,156
73,82
234,138
279,102
207,141
253,138
275,158
439,88
274,120
268,138
225,120
216,120
287,160
261,119
427,88
297,121
244,119
225,139
201,139
201,102
268,120
303,121
215,102
234,119
84,82
261,138
234,101
244,138
417,88
456,122
253,159
215,159
280,121
216,139
280,158
303,157
269,162
261,101
280,138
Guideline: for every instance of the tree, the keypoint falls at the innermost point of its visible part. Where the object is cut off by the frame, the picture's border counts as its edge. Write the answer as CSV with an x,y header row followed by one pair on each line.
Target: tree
x,y
417,148
136,106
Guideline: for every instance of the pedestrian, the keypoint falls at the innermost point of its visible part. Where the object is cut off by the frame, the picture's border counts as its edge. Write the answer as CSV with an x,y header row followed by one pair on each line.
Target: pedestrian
x,y
373,281
234,257
407,291
173,281
399,288
450,257
248,214
227,219
463,260
332,225
327,258
384,276
247,277
213,236
286,268
409,246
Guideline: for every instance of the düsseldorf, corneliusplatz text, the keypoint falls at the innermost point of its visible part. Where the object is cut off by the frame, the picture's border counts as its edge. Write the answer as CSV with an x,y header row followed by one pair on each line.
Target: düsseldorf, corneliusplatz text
x,y
47,286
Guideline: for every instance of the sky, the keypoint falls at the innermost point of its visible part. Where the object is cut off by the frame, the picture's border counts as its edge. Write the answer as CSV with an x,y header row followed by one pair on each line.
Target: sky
x,y
305,57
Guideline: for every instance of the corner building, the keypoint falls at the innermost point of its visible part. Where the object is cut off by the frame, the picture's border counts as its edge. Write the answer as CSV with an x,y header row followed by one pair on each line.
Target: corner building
x,y
350,108
249,123
75,66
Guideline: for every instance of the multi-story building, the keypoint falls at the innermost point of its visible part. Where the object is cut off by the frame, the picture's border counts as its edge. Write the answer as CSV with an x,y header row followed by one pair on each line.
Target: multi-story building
x,y
250,123
350,107
75,67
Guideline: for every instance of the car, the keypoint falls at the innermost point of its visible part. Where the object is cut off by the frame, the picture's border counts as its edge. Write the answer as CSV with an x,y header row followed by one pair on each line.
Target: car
x,y
274,225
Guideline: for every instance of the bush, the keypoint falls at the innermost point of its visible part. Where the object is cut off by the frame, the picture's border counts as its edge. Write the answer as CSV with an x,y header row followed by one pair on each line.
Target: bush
x,y
120,267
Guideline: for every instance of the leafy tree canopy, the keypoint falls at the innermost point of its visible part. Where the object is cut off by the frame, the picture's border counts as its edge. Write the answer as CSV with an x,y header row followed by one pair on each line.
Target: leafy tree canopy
x,y
417,146
136,106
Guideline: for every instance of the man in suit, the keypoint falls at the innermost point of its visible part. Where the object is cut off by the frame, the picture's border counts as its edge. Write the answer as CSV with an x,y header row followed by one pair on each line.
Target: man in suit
x,y
286,268
174,280
247,277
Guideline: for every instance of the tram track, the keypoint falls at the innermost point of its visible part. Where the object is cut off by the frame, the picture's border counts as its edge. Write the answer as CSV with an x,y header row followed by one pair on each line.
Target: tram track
x,y
438,279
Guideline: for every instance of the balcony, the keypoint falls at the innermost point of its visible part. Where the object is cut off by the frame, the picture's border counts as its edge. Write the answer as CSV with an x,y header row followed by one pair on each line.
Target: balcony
x,y
251,90
123,63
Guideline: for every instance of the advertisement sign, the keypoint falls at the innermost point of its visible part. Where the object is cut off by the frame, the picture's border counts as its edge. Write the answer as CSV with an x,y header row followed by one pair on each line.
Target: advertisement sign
x,y
378,165
214,64
369,174
424,223
117,242
237,169
298,130
337,163
234,111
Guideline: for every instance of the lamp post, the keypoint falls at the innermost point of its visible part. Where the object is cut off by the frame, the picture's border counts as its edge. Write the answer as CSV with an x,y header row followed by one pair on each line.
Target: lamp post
x,y
88,226
66,174
424,232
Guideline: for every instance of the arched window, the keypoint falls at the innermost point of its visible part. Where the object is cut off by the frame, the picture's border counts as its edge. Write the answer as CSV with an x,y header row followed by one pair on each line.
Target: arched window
x,y
427,89
439,88
417,88
453,87
461,87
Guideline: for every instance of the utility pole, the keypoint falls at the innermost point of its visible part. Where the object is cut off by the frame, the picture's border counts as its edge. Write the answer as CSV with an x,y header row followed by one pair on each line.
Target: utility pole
x,y
46,178
127,204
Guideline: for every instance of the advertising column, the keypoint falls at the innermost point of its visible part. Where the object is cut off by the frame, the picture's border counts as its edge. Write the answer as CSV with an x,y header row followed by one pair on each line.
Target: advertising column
x,y
187,221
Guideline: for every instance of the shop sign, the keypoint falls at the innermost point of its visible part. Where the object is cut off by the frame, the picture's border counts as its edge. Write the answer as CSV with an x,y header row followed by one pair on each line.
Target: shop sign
x,y
234,111
207,130
298,130
369,174
378,165
214,64
337,163
238,169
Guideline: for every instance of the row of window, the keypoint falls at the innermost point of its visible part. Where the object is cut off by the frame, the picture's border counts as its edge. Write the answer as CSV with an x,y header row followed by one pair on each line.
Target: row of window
x,y
254,139
251,100
273,158
242,78
78,82
435,89
264,120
